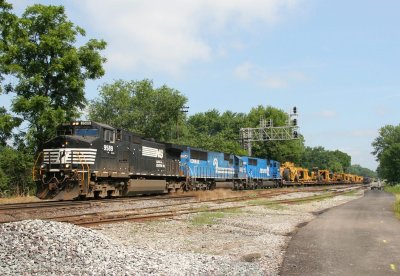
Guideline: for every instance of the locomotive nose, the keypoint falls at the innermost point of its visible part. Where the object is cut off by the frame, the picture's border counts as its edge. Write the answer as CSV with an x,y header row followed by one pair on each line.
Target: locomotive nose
x,y
68,142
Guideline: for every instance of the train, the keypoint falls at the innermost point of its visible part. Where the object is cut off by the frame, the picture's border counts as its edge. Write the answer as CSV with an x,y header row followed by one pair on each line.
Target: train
x,y
88,159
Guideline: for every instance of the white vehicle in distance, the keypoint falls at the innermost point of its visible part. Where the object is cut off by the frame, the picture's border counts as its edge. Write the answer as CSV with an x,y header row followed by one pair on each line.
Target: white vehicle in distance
x,y
376,185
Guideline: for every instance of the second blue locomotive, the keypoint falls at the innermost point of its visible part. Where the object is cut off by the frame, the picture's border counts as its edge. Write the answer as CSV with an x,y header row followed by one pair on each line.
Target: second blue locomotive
x,y
208,170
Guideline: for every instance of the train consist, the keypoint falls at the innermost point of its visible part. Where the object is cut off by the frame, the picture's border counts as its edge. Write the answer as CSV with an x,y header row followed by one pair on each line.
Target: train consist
x,y
93,160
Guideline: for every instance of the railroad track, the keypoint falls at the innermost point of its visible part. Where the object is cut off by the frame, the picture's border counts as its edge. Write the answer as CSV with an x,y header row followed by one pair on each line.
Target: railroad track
x,y
137,213
151,213
74,203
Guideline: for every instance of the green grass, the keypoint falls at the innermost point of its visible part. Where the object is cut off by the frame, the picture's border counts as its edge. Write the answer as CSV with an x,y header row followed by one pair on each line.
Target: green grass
x,y
393,189
351,193
266,203
232,211
396,191
207,218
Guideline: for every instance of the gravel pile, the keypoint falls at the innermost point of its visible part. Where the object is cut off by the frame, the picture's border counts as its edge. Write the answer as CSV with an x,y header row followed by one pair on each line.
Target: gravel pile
x,y
35,247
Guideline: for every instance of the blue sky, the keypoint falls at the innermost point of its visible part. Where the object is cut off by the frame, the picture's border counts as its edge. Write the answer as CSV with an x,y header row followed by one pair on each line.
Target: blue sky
x,y
337,61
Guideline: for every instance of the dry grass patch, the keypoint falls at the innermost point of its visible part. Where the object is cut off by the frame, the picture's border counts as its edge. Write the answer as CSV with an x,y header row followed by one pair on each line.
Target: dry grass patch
x,y
19,199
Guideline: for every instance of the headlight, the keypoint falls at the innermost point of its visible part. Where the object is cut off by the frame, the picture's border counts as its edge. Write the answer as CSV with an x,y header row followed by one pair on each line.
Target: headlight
x,y
67,166
43,166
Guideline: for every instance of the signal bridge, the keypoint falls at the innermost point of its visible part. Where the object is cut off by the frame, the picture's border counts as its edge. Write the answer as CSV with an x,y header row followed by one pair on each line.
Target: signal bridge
x,y
268,132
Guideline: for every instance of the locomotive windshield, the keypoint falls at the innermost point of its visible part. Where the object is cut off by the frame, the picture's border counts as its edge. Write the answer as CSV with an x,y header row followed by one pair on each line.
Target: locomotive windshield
x,y
86,132
78,131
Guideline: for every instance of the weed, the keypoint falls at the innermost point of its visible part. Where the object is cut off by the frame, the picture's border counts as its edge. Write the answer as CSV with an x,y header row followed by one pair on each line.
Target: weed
x,y
267,204
351,193
232,211
204,208
396,191
393,189
19,199
207,218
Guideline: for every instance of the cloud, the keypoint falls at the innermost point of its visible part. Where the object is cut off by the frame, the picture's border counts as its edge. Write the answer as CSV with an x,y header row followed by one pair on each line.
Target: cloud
x,y
166,36
244,71
328,113
275,83
275,80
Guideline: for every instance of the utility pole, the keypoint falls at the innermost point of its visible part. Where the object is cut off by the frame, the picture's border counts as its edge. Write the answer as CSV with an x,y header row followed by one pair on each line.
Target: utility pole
x,y
184,109
268,132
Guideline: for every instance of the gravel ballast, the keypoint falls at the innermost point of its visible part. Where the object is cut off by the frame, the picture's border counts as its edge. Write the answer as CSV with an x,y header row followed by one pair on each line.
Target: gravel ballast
x,y
248,241
35,247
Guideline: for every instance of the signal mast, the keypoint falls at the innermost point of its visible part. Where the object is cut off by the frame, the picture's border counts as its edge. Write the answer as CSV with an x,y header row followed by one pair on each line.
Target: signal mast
x,y
268,132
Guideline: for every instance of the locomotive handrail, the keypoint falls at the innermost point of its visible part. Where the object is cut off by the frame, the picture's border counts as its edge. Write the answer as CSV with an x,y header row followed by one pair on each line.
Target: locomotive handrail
x,y
34,166
83,168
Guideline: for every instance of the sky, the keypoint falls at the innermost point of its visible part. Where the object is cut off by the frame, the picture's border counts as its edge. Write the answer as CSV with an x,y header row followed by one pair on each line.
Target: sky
x,y
337,61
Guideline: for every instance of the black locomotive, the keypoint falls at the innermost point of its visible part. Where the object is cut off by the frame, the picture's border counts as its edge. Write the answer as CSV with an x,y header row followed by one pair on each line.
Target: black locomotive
x,y
94,160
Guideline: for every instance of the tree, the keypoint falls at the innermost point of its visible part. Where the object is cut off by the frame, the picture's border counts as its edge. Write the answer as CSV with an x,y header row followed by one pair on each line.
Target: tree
x,y
139,107
213,131
290,150
38,51
334,161
7,124
387,151
358,170
15,172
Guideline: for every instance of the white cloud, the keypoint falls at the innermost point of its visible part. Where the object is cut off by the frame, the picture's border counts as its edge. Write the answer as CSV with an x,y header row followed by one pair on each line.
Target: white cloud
x,y
168,35
244,71
275,80
328,113
275,83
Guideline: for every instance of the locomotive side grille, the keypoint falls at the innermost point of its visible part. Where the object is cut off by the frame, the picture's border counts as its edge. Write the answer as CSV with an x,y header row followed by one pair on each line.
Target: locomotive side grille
x,y
69,155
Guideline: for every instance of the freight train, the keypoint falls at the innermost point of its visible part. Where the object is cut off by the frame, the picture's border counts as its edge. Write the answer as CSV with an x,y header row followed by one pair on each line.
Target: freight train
x,y
93,160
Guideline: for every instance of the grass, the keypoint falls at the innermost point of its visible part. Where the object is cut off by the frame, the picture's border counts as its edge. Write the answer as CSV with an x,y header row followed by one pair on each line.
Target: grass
x,y
232,211
351,193
396,191
18,199
207,218
266,203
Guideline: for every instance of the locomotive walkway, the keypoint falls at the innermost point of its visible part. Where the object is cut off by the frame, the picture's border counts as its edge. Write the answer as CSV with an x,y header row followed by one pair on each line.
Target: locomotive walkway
x,y
361,237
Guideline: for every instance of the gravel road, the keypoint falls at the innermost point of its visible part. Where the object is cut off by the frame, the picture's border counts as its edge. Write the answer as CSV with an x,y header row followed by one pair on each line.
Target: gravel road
x,y
246,241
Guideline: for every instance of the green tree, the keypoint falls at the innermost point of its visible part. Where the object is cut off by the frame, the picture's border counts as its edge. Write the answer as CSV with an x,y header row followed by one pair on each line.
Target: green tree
x,y
214,131
38,53
319,157
139,107
7,124
15,172
290,150
387,151
359,170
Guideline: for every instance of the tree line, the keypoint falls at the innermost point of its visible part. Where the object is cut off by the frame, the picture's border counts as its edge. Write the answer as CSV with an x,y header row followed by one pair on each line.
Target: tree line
x,y
387,151
44,72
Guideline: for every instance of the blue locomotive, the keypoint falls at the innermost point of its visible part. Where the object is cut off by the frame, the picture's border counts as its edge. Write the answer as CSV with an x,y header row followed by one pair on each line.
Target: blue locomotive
x,y
93,160
207,170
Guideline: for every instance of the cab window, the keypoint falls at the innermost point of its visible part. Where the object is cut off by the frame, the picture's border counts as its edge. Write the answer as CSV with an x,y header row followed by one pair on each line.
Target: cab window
x,y
109,136
86,132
